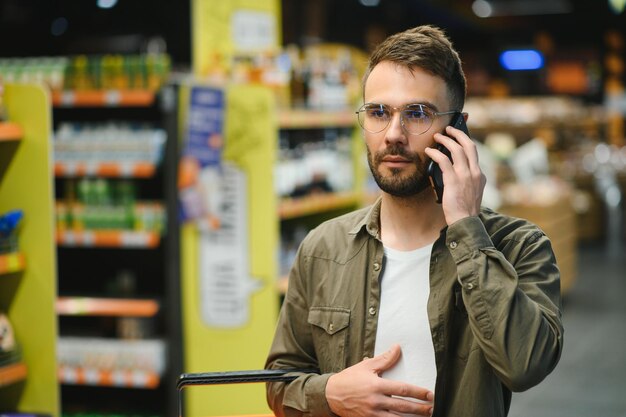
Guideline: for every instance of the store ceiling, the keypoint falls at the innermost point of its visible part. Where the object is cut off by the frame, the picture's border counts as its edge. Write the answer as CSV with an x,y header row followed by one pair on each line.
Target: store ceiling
x,y
41,27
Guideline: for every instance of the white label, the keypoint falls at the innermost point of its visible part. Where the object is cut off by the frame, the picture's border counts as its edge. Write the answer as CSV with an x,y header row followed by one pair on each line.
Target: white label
x,y
112,98
69,375
253,30
119,378
92,376
139,378
133,239
67,98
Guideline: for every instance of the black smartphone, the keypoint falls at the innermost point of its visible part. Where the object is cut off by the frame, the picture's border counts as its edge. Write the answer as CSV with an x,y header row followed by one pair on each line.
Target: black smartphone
x,y
433,170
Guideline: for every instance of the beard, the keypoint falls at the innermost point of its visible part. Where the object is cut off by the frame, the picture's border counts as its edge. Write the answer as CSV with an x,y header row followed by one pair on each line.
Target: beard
x,y
397,184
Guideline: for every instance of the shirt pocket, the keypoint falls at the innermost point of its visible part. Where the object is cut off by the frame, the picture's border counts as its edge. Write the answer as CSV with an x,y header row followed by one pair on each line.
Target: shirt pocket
x,y
329,327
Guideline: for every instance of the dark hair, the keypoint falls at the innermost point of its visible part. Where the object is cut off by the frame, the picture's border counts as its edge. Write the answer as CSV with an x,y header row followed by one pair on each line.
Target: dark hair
x,y
428,48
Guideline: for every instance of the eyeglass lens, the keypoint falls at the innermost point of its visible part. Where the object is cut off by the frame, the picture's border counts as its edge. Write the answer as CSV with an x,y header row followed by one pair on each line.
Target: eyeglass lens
x,y
415,118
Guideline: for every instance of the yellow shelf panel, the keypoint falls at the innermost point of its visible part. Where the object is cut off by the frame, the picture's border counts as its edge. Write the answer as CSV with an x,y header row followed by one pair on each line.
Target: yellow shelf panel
x,y
12,262
120,307
27,184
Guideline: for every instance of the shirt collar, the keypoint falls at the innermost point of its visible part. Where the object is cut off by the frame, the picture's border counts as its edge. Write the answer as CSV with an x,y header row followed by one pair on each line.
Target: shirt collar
x,y
371,221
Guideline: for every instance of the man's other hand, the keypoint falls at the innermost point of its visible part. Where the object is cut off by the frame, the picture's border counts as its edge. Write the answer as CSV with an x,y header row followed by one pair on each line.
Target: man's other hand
x,y
360,391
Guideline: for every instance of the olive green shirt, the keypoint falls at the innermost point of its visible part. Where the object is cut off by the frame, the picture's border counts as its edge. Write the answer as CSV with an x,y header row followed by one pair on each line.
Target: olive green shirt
x,y
494,310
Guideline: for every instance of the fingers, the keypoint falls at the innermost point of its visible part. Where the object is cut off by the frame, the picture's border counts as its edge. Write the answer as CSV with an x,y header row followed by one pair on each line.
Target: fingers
x,y
402,389
385,360
461,146
407,406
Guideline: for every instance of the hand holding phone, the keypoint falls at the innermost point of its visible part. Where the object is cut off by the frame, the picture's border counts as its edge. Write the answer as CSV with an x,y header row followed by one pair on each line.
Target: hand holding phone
x,y
434,172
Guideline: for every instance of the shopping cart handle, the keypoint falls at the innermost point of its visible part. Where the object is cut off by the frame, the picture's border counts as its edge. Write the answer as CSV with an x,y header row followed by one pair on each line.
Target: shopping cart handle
x,y
239,377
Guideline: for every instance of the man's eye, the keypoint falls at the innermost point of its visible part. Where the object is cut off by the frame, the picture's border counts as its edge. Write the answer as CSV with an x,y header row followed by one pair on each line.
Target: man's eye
x,y
415,115
376,113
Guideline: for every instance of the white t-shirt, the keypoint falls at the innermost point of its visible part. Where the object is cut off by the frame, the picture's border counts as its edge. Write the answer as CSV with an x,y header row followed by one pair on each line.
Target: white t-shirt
x,y
403,317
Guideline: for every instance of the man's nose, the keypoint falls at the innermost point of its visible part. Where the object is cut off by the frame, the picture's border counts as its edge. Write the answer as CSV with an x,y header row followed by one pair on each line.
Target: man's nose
x,y
395,131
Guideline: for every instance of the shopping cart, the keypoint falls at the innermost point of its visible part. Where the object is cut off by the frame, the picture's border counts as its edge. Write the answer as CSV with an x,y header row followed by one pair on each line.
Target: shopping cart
x,y
235,377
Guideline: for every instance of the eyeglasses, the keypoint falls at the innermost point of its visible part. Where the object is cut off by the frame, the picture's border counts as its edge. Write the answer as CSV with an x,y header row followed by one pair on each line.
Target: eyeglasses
x,y
415,118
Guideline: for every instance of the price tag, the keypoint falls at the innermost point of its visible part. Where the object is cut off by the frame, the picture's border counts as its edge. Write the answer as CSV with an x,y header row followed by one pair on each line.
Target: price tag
x,y
70,168
89,238
134,239
92,376
69,375
127,169
91,167
68,98
112,98
119,378
139,378
68,238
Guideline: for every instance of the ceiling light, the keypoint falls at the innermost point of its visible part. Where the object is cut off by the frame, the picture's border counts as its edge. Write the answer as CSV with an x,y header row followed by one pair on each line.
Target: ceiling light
x,y
520,60
106,4
369,3
493,8
482,8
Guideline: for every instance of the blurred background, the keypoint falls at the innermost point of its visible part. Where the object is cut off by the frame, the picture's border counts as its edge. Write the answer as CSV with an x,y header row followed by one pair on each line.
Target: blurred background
x,y
161,161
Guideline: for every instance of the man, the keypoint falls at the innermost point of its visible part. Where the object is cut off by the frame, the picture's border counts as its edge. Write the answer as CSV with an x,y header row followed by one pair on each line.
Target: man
x,y
411,306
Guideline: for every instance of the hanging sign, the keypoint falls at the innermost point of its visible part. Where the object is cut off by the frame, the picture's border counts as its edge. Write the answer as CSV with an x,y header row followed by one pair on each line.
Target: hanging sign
x,y
201,160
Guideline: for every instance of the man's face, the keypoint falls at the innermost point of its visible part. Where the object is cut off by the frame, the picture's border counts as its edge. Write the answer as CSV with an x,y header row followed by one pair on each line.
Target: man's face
x,y
396,157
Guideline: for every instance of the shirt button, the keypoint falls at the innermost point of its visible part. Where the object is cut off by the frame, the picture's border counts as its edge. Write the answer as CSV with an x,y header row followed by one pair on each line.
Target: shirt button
x,y
372,311
331,327
376,266
453,244
470,286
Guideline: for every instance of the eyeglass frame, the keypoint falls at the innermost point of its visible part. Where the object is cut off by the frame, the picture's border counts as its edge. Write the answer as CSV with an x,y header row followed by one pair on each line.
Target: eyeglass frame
x,y
402,108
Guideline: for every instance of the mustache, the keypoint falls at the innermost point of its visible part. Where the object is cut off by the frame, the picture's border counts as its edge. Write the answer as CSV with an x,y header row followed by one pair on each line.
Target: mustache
x,y
397,150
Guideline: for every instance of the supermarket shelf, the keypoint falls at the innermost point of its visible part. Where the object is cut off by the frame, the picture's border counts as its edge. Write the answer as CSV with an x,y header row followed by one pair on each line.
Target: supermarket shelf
x,y
105,169
13,373
10,132
312,119
12,262
88,306
103,98
126,378
108,238
296,207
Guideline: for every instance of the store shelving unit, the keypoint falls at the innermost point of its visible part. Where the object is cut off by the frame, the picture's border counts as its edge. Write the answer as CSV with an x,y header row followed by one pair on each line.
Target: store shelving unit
x,y
306,212
28,275
120,284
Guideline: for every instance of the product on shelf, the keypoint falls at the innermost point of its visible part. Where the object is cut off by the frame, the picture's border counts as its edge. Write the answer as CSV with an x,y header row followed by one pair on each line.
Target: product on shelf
x,y
96,72
9,223
318,77
310,166
103,204
9,348
120,143
110,362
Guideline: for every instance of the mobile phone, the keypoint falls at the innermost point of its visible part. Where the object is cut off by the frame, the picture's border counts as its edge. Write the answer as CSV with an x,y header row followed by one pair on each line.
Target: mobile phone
x,y
433,170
